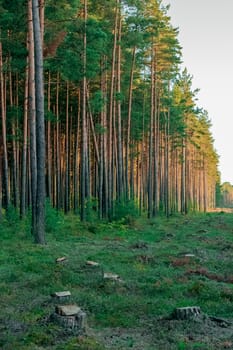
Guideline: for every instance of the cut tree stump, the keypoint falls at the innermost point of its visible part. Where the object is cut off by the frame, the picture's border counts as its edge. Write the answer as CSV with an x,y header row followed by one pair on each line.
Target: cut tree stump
x,y
61,296
67,310
71,318
186,313
108,276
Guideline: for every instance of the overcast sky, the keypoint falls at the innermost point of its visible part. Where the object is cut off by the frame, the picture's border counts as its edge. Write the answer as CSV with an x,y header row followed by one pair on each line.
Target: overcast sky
x,y
206,36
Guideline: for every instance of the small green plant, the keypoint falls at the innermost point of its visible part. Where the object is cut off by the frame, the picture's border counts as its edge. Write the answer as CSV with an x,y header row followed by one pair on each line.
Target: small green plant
x,y
127,212
91,210
53,218
12,215
196,288
182,346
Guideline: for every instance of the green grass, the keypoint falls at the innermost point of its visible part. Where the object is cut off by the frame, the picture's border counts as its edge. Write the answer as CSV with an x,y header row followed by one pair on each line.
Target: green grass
x,y
150,259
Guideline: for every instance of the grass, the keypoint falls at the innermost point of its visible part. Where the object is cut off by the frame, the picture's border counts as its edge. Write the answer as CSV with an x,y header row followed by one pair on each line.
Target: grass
x,y
157,276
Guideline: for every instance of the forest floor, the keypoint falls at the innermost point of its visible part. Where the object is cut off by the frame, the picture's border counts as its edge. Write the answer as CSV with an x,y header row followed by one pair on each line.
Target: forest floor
x,y
162,264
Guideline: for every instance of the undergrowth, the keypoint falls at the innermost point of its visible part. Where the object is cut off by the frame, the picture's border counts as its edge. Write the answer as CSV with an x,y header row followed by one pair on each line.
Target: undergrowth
x,y
162,264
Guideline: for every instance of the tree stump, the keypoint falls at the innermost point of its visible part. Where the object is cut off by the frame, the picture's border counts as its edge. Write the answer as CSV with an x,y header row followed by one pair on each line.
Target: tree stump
x,y
186,313
61,296
71,318
108,276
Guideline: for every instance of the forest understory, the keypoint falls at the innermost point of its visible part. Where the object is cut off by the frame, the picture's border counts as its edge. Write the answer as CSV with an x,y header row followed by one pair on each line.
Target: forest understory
x,y
162,264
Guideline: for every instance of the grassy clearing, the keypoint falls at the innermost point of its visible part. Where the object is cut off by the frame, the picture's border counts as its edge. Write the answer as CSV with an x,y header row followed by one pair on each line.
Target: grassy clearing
x,y
151,259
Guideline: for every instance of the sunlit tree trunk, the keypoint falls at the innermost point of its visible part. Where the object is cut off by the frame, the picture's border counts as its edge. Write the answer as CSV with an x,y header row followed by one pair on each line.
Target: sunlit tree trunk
x,y
25,147
166,165
130,100
104,161
156,145
183,178
111,113
58,151
41,4
120,173
151,134
67,151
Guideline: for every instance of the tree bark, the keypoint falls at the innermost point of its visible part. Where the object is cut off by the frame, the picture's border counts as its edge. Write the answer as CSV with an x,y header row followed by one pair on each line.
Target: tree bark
x,y
4,141
49,150
40,127
84,153
151,133
127,155
67,151
25,148
111,131
32,117
120,172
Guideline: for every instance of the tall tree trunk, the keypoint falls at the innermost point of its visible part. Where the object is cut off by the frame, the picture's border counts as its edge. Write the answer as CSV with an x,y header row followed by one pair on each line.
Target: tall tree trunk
x,y
40,127
41,4
155,143
67,151
103,164
25,148
15,193
167,167
151,133
76,157
84,153
111,117
127,156
49,150
183,178
120,173
32,116
4,133
58,151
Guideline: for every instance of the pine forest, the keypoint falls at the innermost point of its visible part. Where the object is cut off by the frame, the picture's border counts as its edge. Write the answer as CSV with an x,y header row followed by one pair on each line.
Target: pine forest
x,y
97,115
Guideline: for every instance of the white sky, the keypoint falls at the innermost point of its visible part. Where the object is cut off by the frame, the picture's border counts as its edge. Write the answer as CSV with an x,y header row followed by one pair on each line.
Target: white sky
x,y
206,36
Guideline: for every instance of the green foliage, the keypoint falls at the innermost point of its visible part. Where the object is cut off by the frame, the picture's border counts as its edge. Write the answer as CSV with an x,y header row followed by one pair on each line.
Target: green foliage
x,y
126,212
70,52
97,102
182,346
12,215
54,218
91,210
145,31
